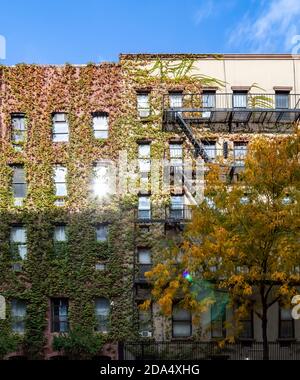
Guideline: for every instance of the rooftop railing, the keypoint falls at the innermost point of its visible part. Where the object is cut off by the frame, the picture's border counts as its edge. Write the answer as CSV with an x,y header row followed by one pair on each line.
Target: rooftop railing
x,y
236,108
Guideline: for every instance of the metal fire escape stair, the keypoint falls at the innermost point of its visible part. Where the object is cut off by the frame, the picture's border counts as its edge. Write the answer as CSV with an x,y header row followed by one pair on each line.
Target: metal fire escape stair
x,y
199,147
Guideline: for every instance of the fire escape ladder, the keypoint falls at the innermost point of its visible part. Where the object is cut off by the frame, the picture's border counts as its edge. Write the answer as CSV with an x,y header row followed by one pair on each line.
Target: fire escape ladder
x,y
199,148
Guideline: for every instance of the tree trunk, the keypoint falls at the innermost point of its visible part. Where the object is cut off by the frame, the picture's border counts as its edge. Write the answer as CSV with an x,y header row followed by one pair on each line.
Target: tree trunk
x,y
264,323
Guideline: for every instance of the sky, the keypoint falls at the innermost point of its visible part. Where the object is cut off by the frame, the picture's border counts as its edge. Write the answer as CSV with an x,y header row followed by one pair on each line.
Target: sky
x,y
81,31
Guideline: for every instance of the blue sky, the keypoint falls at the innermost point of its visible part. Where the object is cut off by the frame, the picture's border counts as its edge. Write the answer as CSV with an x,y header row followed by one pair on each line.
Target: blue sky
x,y
76,31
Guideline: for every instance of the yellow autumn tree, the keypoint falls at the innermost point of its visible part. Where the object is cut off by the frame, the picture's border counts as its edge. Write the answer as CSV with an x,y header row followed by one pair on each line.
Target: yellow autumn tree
x,y
244,239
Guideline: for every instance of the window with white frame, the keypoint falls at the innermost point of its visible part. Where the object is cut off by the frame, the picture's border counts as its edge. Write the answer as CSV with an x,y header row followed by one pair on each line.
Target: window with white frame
x,y
144,154
240,99
102,232
102,311
60,127
60,239
60,235
60,181
101,180
176,154
100,125
18,135
144,261
210,148
209,102
18,316
19,185
143,104
175,99
181,323
144,208
177,207
18,241
240,150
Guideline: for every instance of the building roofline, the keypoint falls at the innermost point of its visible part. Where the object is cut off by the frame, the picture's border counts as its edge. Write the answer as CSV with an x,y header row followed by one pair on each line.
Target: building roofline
x,y
58,65
150,56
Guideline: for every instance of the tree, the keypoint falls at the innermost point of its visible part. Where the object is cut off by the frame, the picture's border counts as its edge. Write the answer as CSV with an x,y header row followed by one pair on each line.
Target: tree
x,y
243,239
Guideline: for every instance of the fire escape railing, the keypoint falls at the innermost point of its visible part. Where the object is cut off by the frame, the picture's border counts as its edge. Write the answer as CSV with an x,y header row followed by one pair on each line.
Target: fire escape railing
x,y
228,109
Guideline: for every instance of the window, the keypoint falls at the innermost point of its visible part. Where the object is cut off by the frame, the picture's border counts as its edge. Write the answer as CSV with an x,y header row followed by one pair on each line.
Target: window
x,y
18,134
60,239
101,180
240,150
144,157
143,104
210,149
245,200
240,99
100,126
208,101
218,318
60,175
60,127
181,323
286,324
101,266
18,241
176,154
19,183
177,207
144,262
247,326
175,100
102,232
60,233
282,99
18,316
144,211
145,322
59,313
102,309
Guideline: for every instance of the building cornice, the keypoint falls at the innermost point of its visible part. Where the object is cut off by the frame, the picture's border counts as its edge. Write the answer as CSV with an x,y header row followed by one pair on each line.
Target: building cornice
x,y
210,56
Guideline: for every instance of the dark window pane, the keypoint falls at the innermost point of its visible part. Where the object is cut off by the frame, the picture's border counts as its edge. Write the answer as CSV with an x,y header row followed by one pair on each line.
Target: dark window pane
x,y
60,315
282,100
182,323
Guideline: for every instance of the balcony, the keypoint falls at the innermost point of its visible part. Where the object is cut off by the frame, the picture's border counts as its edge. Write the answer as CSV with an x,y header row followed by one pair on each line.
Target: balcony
x,y
234,110
176,214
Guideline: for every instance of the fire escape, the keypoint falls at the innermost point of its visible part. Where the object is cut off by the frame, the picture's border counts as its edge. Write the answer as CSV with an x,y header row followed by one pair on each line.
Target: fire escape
x,y
230,113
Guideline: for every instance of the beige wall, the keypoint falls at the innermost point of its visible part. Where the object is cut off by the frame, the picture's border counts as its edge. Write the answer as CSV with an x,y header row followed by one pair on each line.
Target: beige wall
x,y
267,72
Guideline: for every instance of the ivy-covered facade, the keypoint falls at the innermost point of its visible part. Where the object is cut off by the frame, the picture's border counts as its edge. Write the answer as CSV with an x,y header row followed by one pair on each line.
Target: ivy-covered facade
x,y
70,259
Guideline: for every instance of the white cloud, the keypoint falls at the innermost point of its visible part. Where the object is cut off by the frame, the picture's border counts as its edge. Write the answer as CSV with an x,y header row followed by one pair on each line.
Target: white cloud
x,y
206,11
271,28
